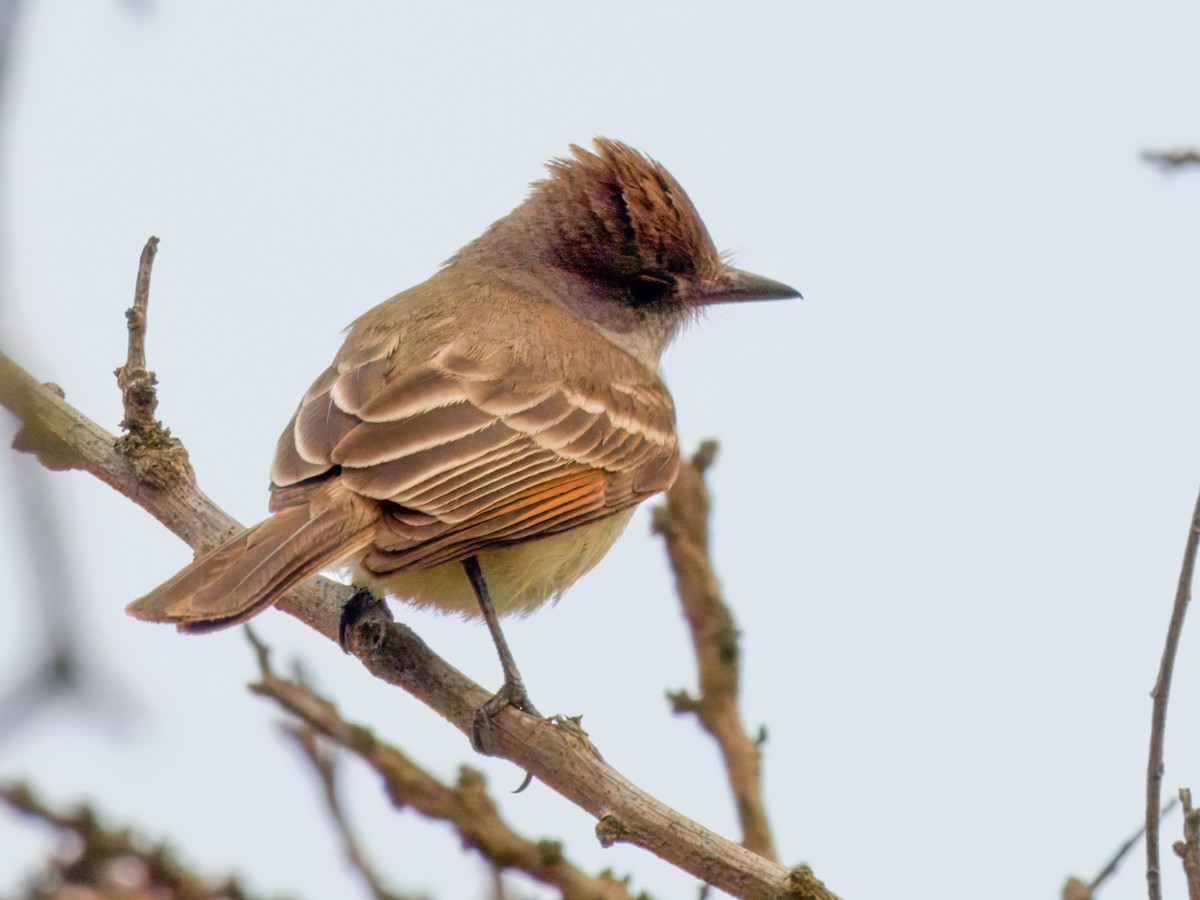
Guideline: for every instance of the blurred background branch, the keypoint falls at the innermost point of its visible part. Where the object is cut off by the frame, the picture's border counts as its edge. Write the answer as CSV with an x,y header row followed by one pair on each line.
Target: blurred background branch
x,y
102,862
1172,160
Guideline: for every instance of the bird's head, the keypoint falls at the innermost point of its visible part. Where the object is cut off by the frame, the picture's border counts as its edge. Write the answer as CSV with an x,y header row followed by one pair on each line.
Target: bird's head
x,y
617,222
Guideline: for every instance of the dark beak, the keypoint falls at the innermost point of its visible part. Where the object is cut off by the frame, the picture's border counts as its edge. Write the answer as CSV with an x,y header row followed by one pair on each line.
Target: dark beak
x,y
735,284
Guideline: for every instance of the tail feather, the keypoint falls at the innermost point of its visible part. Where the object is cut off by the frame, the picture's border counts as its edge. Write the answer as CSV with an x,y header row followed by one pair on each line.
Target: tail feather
x,y
255,568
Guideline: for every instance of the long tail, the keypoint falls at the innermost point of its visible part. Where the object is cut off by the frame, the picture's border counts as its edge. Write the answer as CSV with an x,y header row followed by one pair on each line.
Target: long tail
x,y
255,568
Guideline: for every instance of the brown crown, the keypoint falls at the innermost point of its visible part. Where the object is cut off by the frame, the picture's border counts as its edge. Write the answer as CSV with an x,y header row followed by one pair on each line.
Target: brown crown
x,y
609,213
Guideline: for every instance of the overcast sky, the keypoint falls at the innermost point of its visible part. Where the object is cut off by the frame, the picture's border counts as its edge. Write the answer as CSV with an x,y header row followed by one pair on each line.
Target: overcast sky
x,y
955,480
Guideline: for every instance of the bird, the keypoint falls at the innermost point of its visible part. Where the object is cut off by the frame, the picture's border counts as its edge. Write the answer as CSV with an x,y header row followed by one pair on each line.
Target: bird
x,y
482,439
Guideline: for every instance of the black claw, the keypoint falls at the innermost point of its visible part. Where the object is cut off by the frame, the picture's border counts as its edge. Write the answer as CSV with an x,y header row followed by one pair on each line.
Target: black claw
x,y
359,608
479,721
511,694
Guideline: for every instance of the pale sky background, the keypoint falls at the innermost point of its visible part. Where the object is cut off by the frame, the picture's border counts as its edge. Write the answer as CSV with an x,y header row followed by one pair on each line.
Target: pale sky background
x,y
955,480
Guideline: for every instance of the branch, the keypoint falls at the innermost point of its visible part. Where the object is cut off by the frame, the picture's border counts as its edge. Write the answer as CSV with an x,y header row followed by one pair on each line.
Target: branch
x,y
556,752
683,523
97,860
466,806
1162,689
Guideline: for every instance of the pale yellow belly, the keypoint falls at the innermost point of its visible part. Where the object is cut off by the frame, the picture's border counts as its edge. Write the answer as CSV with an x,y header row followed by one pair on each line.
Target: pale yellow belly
x,y
520,577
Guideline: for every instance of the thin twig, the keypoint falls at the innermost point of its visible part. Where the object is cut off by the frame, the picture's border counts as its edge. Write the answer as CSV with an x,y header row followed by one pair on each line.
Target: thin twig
x,y
683,524
1111,866
1162,689
1170,160
466,806
1189,848
324,763
1077,889
498,892
138,395
135,316
157,456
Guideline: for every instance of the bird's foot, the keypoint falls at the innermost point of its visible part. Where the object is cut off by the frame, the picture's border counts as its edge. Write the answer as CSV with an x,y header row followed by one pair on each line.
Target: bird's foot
x,y
513,694
361,608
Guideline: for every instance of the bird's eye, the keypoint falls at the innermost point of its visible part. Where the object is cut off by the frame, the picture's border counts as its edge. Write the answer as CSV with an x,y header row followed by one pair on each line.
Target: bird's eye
x,y
648,289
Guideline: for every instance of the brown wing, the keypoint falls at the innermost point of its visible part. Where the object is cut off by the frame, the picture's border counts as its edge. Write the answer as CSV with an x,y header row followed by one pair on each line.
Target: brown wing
x,y
467,452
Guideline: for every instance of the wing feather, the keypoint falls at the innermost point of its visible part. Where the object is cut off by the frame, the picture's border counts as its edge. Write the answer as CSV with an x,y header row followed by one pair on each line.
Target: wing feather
x,y
396,479
404,396
371,443
319,426
545,508
468,450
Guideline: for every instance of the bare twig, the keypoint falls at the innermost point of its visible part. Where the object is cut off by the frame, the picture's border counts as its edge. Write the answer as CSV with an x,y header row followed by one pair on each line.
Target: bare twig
x,y
1170,160
498,892
101,857
1189,848
556,752
1162,689
466,806
683,523
157,456
137,385
1077,889
325,764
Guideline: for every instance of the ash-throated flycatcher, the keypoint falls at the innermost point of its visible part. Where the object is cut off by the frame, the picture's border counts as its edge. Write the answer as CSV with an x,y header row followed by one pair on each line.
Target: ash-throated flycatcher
x,y
481,439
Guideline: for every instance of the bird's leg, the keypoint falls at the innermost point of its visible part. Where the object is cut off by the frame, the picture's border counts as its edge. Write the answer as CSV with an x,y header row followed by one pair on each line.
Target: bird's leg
x,y
513,692
362,606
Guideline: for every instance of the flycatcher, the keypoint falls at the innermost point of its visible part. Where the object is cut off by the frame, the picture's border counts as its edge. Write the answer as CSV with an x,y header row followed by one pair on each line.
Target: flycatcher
x,y
481,439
